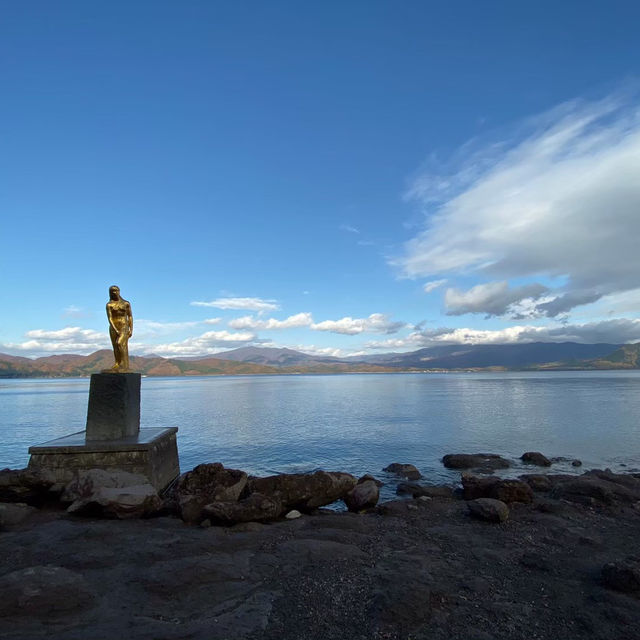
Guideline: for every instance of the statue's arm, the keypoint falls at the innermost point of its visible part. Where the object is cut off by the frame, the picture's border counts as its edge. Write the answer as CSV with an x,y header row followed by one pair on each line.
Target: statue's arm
x,y
110,318
130,319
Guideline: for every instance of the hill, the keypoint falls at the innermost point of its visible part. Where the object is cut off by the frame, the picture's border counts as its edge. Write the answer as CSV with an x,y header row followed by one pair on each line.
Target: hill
x,y
538,356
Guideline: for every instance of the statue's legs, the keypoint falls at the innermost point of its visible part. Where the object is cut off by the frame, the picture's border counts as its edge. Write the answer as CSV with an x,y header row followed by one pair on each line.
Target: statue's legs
x,y
123,343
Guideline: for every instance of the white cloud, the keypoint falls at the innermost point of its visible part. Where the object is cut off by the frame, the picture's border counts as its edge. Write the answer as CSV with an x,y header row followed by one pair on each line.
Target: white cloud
x,y
67,340
349,229
251,322
208,343
375,323
433,285
618,331
249,304
560,202
492,298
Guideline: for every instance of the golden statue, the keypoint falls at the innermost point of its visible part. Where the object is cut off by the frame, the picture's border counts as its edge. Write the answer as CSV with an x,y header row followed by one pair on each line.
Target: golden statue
x,y
120,329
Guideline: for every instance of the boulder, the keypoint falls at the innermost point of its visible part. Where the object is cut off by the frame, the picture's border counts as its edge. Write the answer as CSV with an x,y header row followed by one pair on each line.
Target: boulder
x,y
203,485
368,476
537,482
12,513
137,501
599,486
255,508
485,461
488,509
86,483
44,592
419,490
25,485
364,495
576,463
407,471
505,490
622,576
304,491
535,457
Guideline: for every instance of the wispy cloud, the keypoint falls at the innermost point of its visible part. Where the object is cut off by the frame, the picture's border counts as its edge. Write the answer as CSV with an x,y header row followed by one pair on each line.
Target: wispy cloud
x,y
248,304
349,229
561,201
375,323
251,322
433,285
73,311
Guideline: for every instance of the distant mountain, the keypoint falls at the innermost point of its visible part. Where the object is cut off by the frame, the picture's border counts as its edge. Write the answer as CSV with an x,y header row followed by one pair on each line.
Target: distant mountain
x,y
79,366
269,355
509,356
265,360
626,357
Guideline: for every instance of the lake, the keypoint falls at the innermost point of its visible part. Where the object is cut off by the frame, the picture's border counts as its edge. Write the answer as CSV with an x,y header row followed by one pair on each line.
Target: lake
x,y
355,422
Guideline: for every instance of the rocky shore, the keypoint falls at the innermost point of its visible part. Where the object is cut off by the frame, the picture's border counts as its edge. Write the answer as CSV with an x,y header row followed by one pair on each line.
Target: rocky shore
x,y
225,556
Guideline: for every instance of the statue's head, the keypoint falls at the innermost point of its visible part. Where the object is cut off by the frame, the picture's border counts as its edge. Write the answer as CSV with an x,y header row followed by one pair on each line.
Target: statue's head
x,y
114,292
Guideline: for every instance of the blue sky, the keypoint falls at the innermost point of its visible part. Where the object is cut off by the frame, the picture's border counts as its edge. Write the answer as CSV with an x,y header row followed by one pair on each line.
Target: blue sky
x,y
336,177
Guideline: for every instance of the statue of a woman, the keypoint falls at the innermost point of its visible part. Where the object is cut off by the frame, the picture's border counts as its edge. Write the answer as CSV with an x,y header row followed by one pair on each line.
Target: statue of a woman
x,y
120,329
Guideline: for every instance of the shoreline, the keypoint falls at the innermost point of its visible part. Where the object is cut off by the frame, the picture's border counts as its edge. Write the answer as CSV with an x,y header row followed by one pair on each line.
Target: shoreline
x,y
409,569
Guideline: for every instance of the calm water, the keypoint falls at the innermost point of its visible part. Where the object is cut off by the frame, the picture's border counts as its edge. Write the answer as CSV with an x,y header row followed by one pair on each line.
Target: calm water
x,y
355,423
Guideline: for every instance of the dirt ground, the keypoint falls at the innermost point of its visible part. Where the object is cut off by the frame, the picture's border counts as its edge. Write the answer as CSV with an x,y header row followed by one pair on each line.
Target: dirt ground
x,y
416,569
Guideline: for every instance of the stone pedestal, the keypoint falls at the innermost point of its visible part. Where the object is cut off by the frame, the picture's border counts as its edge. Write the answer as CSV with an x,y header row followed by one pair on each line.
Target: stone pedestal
x,y
114,406
152,453
113,438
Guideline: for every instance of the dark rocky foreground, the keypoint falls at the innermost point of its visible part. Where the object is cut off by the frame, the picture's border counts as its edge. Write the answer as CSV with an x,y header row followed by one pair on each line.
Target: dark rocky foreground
x,y
563,565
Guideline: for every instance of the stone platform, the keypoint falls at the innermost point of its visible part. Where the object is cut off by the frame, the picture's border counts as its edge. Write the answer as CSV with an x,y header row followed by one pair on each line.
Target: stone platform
x,y
152,453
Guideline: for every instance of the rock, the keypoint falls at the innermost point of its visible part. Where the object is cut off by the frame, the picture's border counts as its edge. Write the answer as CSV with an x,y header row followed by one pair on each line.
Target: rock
x,y
512,491
488,509
535,457
364,495
205,484
537,482
505,490
393,508
138,501
404,470
368,476
44,592
576,463
622,576
599,486
417,490
304,491
255,508
293,514
14,513
86,483
487,461
25,485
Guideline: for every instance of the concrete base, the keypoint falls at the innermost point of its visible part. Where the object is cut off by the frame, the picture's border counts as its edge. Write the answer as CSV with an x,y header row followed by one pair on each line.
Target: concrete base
x,y
152,453
114,406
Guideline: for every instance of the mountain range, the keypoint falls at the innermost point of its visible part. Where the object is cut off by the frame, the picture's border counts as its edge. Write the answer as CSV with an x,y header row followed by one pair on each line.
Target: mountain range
x,y
265,360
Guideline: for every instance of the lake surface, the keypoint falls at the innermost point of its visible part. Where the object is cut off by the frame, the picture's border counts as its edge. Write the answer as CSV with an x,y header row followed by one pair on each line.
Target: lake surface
x,y
357,423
